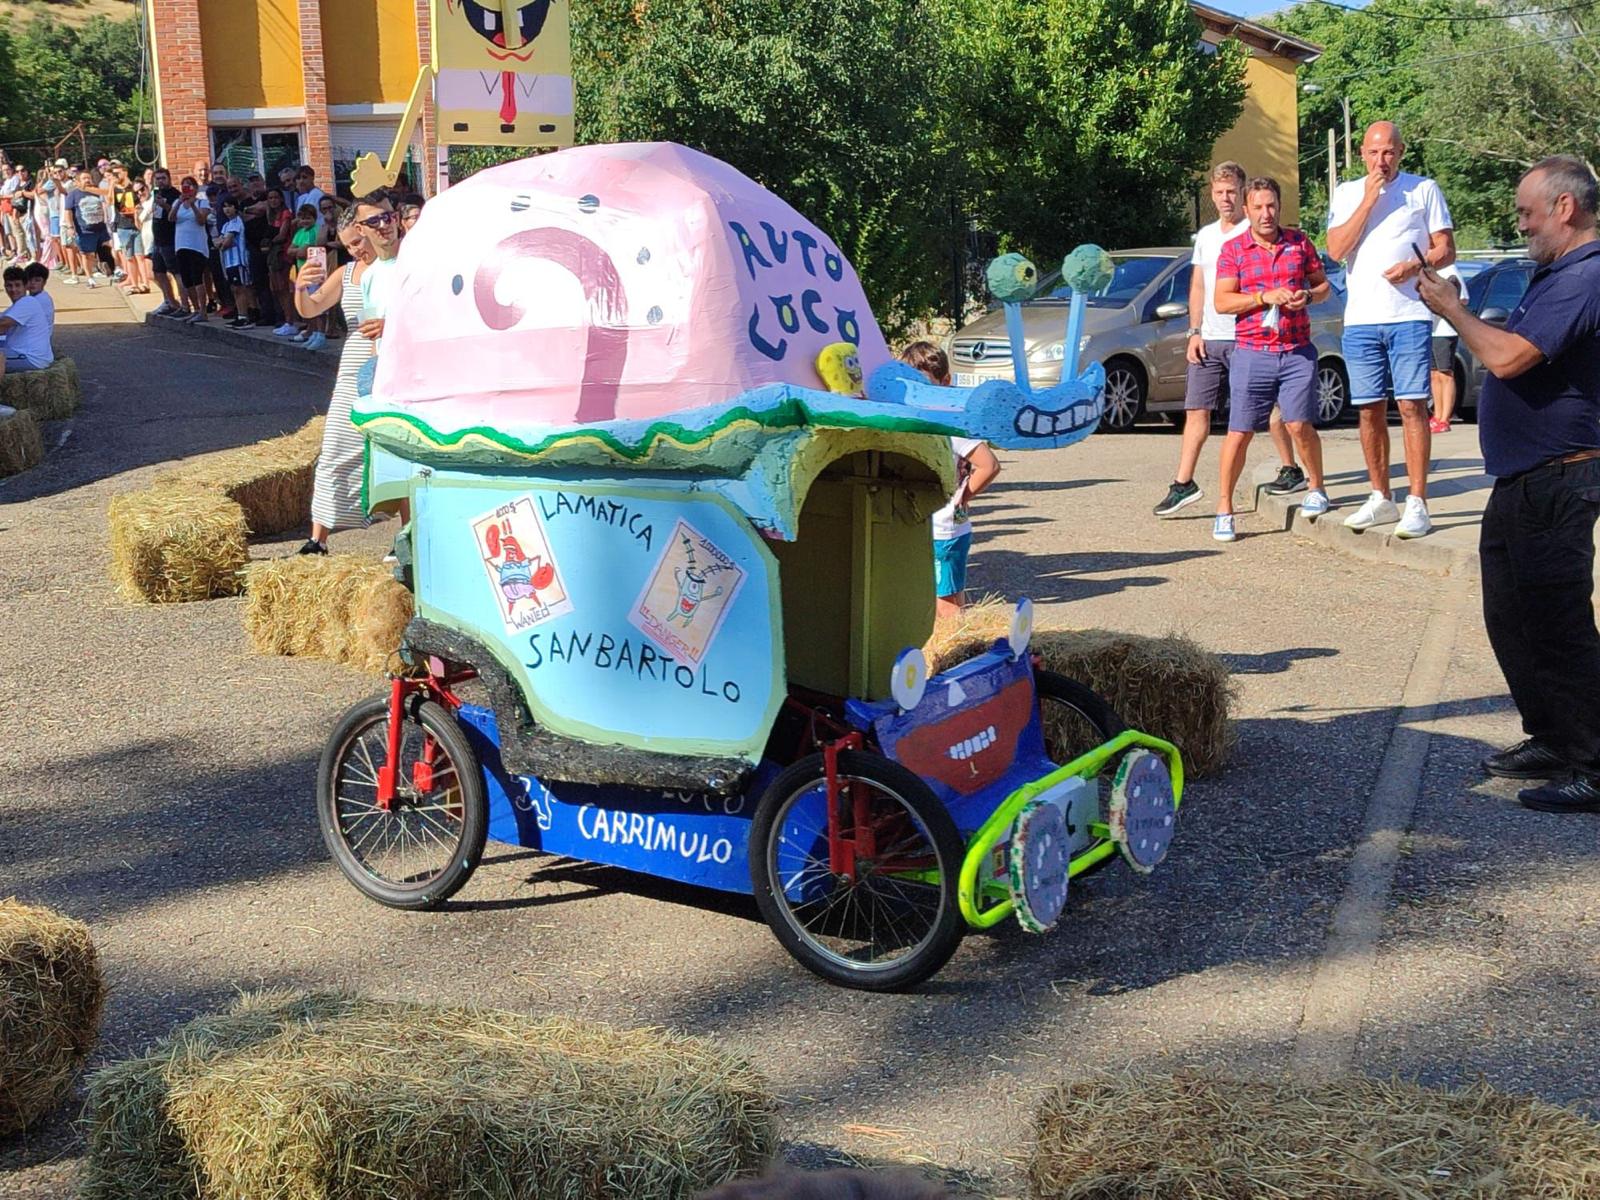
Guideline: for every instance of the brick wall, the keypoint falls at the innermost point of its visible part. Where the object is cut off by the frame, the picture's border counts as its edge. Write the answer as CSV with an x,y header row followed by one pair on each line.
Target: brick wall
x,y
185,137
428,184
318,148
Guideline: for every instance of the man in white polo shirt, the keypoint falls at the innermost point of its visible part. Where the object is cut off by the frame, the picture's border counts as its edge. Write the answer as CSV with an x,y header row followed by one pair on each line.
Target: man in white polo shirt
x,y
1380,224
1210,350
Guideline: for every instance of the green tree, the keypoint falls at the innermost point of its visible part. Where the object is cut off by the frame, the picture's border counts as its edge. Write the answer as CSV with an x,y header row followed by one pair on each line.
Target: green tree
x,y
1085,119
61,74
833,107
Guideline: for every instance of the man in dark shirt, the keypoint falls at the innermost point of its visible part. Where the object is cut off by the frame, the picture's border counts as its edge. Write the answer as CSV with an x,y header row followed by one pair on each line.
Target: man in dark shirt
x,y
1539,426
164,236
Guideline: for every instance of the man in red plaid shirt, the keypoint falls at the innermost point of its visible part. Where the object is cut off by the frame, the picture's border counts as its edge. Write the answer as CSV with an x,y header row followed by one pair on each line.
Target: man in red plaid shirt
x,y
1268,280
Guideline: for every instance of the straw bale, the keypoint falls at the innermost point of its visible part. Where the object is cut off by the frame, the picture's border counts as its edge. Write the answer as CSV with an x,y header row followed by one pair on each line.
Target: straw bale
x,y
50,395
1166,1137
292,1097
21,445
174,543
51,993
270,480
334,606
1167,686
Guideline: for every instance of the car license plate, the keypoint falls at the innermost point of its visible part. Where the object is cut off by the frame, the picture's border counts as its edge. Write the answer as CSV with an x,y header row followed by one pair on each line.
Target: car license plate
x,y
967,379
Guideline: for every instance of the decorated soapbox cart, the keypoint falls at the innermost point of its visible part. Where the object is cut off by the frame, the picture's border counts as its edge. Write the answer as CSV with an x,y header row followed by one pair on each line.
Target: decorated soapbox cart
x,y
669,502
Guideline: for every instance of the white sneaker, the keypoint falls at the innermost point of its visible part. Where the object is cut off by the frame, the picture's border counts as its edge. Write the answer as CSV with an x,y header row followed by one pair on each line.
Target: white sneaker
x,y
1315,504
285,330
1222,528
1416,522
1378,510
71,280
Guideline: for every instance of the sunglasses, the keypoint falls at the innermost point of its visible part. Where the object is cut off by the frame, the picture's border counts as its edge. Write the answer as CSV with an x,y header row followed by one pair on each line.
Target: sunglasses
x,y
381,221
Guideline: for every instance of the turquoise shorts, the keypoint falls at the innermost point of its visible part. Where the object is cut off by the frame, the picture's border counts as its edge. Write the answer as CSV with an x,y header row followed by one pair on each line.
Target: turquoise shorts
x,y
950,564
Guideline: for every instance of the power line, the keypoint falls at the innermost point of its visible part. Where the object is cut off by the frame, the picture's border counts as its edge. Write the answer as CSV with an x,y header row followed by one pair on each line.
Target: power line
x,y
1405,16
1420,62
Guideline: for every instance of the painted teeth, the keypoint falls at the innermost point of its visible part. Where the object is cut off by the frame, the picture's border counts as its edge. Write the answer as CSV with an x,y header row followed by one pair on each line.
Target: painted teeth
x,y
968,747
1035,422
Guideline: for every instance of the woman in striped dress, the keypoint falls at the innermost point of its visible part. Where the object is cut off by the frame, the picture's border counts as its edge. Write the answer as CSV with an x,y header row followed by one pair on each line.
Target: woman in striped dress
x,y
336,498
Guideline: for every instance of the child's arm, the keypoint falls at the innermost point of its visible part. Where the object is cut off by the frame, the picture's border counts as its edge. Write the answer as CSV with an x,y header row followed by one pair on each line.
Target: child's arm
x,y
985,467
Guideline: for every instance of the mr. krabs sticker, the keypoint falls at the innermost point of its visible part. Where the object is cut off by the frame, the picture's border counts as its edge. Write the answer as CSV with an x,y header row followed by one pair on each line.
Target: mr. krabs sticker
x,y
523,574
687,595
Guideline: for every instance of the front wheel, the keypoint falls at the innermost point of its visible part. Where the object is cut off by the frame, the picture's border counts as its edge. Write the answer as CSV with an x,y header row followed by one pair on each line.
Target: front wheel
x,y
1076,719
891,919
416,853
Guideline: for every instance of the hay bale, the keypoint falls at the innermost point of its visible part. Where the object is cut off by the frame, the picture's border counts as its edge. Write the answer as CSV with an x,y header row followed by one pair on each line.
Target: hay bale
x,y
286,1098
174,543
50,999
1168,686
335,606
1170,1137
270,480
50,395
21,444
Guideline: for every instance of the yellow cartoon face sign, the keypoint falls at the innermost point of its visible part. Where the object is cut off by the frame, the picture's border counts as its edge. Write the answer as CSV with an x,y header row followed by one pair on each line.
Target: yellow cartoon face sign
x,y
503,72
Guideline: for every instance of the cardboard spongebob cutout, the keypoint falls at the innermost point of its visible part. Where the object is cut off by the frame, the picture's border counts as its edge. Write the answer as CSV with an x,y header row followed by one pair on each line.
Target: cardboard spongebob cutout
x,y
503,72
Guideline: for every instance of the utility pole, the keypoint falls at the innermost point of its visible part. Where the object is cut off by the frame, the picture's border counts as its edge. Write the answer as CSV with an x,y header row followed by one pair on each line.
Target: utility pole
x,y
1333,167
1345,100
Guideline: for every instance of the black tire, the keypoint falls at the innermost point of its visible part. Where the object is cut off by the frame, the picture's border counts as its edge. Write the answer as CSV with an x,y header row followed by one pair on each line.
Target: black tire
x,y
1333,393
944,922
455,837
1125,393
1086,719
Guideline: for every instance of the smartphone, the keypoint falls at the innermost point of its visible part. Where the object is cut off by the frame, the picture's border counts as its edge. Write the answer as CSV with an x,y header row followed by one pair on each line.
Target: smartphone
x,y
318,255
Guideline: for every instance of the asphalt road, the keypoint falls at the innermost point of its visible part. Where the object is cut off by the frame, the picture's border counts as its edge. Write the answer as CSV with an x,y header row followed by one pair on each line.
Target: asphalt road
x,y
161,776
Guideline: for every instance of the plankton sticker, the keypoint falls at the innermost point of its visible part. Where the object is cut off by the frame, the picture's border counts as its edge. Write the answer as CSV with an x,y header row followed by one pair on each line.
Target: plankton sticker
x,y
688,594
522,571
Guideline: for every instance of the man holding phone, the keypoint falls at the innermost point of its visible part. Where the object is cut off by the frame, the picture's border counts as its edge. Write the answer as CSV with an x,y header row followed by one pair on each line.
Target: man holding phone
x,y
1539,426
1387,226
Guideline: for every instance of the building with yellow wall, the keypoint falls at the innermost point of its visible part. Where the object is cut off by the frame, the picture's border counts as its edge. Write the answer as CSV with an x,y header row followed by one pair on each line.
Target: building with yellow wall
x,y
1265,139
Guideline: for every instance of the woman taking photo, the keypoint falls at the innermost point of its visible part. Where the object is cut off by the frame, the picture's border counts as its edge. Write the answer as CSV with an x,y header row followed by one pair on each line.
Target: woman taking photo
x,y
336,497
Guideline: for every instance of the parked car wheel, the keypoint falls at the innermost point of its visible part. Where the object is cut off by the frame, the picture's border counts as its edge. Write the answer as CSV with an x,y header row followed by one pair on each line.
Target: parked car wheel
x,y
1333,392
1125,395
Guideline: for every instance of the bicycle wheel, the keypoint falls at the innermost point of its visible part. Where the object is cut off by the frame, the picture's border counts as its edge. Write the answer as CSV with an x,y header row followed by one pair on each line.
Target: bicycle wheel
x,y
1076,720
898,920
417,853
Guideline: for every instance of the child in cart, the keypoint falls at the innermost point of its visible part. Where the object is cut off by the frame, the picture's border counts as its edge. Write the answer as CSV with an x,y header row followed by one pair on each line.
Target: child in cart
x,y
976,469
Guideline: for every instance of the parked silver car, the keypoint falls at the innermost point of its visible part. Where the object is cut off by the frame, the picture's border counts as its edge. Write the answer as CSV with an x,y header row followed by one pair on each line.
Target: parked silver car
x,y
1493,293
1137,327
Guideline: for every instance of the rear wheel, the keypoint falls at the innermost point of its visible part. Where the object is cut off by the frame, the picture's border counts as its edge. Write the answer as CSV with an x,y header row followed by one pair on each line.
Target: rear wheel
x,y
897,920
1333,392
418,852
1125,396
1076,719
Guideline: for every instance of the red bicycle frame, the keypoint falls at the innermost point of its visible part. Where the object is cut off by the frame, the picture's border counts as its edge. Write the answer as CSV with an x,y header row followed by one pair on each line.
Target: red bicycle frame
x,y
437,685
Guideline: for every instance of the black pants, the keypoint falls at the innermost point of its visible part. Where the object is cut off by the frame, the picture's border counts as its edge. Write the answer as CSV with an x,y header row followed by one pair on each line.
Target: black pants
x,y
1537,552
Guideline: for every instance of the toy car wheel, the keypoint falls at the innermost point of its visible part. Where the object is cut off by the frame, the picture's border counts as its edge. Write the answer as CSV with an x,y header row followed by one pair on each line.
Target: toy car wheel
x,y
1075,718
894,920
417,853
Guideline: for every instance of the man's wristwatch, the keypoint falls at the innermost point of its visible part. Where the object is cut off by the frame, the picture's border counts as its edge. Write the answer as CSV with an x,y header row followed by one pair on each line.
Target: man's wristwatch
x,y
1194,331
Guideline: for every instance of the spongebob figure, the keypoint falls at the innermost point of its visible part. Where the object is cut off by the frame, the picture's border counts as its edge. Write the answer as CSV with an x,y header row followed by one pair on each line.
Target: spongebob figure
x,y
503,72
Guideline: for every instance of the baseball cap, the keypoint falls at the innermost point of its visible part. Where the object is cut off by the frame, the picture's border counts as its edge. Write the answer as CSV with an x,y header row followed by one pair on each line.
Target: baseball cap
x,y
61,162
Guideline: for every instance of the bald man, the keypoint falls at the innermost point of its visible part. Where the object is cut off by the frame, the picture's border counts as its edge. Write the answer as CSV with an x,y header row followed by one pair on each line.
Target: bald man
x,y
1378,225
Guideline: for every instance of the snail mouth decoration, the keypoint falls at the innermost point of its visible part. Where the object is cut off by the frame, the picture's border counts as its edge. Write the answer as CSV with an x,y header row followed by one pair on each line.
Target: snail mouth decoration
x,y
1033,421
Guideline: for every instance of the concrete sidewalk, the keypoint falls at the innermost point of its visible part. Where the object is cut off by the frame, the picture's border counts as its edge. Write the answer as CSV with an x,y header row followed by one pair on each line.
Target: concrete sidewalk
x,y
250,341
1458,490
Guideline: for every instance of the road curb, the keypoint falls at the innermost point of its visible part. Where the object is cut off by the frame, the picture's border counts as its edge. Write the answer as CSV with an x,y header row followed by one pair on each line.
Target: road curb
x,y
262,345
1429,554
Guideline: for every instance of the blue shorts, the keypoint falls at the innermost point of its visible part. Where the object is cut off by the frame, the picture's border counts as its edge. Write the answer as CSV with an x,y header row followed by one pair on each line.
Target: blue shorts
x,y
1258,379
950,564
15,363
1388,360
55,226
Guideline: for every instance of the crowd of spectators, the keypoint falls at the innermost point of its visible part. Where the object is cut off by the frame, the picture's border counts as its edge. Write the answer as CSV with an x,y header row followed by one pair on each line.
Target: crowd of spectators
x,y
213,243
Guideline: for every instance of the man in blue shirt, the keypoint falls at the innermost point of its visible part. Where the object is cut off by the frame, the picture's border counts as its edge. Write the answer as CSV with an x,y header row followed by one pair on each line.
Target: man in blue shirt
x,y
1539,426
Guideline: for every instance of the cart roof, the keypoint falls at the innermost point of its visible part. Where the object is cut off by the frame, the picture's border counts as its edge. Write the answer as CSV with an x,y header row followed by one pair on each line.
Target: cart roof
x,y
604,283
